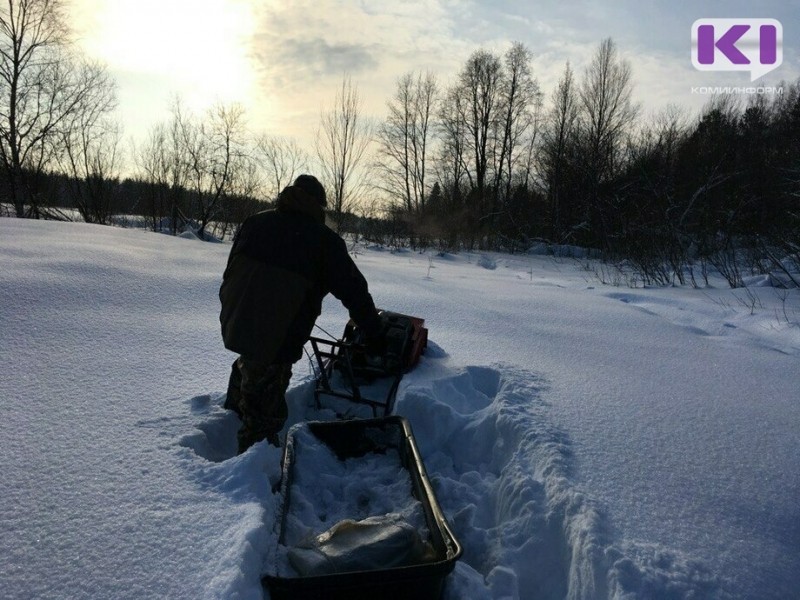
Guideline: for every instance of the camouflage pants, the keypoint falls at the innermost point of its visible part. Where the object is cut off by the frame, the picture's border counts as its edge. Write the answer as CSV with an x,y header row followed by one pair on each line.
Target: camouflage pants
x,y
257,392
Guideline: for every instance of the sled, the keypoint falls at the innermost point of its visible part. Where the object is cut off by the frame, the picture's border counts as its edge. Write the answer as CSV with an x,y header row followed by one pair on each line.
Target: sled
x,y
344,366
354,439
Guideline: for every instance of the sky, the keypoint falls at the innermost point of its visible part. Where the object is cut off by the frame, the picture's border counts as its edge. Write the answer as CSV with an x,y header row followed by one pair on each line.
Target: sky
x,y
284,61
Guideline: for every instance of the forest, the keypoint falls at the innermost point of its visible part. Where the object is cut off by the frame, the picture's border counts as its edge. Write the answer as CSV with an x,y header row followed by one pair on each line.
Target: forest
x,y
485,160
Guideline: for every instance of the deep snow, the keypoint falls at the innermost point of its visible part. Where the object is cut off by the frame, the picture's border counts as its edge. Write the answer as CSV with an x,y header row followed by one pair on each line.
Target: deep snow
x,y
585,441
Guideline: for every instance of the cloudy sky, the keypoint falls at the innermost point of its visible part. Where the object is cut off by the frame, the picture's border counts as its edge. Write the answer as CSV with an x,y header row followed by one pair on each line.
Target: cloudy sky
x,y
285,60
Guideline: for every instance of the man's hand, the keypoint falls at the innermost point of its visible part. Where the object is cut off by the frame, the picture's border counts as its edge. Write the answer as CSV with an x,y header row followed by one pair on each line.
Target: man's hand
x,y
376,344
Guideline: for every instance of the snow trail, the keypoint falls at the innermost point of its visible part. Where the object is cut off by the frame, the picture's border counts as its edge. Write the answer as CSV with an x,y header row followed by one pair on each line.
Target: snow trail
x,y
501,470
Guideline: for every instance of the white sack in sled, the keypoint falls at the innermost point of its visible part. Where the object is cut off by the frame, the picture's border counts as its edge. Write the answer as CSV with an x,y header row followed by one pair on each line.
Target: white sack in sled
x,y
379,542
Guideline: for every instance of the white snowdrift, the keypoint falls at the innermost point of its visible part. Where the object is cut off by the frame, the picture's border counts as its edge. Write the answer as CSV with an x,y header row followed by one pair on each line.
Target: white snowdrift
x,y
584,441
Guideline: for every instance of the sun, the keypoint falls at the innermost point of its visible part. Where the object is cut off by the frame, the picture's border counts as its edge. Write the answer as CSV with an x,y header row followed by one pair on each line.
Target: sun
x,y
197,47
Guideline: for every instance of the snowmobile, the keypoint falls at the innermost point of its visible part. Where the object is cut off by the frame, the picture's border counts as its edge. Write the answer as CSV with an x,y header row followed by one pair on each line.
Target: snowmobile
x,y
350,357
374,557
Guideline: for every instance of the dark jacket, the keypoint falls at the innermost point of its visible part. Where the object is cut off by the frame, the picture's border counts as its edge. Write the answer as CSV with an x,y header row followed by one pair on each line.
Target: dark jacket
x,y
282,264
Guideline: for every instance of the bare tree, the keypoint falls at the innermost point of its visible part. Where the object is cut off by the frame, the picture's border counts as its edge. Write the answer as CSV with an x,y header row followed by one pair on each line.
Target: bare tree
x,y
480,82
41,85
468,122
341,147
530,145
92,161
489,123
162,161
216,160
452,163
520,101
404,140
607,114
607,111
281,160
153,166
557,144
88,146
425,97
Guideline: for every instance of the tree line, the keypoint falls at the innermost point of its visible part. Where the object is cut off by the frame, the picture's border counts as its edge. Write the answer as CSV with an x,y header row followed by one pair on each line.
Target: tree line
x,y
488,163
483,161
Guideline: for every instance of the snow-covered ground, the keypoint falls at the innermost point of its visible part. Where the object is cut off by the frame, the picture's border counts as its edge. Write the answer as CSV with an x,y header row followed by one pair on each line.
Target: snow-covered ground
x,y
585,441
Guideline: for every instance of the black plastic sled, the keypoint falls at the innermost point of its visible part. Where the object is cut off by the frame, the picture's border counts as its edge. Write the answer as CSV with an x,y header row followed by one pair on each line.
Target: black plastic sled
x,y
354,439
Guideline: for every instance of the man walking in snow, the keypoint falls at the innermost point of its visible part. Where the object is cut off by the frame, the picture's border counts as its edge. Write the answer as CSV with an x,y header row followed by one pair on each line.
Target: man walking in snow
x,y
282,264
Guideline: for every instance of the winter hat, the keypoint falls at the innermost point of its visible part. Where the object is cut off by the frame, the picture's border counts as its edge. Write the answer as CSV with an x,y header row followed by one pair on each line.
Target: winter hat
x,y
311,186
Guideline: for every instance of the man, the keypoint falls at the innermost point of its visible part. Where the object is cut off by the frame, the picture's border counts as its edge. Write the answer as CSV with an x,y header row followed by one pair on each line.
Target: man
x,y
282,264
